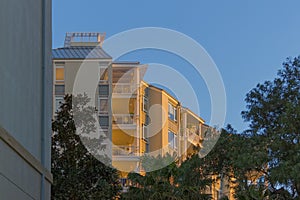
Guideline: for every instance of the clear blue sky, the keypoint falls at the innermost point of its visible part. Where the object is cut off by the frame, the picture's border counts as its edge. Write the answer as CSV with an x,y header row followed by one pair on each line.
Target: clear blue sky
x,y
247,40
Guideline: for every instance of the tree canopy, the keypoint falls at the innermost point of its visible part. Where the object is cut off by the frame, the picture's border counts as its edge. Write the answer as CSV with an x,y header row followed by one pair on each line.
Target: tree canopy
x,y
171,182
273,111
77,174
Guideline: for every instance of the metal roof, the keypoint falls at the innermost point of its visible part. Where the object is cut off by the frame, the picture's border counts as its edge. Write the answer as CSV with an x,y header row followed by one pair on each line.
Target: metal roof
x,y
80,52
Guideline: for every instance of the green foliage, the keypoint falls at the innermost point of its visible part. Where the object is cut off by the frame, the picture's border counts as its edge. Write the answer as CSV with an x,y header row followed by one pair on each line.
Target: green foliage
x,y
231,161
273,110
77,173
270,149
171,182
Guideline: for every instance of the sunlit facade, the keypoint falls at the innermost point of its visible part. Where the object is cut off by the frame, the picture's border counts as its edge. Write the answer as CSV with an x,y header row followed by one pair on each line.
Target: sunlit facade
x,y
140,119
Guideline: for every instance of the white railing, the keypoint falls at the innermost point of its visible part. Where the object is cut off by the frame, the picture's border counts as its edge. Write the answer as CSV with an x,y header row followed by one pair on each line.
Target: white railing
x,y
123,88
123,119
193,137
125,150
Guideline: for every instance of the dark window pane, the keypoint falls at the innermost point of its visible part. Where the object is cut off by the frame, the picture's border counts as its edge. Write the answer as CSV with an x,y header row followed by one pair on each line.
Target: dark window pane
x,y
103,120
59,90
103,90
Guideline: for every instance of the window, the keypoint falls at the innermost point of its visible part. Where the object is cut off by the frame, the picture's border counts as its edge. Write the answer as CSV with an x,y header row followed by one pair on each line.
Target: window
x,y
59,73
144,131
148,120
103,90
145,103
58,101
146,91
175,141
59,90
103,75
172,140
103,105
103,120
172,112
123,181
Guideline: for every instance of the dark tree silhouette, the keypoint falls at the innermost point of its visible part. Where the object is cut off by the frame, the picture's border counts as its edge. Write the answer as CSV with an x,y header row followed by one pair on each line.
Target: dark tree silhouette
x,y
77,173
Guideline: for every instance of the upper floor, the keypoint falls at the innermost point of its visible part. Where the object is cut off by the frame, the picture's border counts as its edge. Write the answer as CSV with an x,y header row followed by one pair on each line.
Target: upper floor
x,y
138,115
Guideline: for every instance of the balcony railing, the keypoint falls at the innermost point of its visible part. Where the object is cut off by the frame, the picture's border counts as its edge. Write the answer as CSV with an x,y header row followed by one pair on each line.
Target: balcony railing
x,y
120,119
124,88
125,151
193,137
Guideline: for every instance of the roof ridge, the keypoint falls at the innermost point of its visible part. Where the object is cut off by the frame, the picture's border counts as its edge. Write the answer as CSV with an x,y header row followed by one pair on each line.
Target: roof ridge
x,y
77,47
80,52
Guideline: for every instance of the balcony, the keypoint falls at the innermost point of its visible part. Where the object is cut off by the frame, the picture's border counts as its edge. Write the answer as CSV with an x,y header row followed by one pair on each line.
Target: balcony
x,y
193,137
124,121
124,89
126,152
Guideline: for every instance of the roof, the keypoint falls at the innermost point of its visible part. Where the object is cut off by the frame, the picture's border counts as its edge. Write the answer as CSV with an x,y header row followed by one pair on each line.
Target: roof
x,y
126,62
80,52
193,114
166,92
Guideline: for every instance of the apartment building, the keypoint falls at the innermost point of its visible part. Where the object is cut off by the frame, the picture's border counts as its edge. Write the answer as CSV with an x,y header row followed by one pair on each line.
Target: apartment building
x,y
139,118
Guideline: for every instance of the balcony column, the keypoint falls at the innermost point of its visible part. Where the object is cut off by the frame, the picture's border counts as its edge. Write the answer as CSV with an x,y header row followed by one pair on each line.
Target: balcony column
x,y
184,125
110,117
138,107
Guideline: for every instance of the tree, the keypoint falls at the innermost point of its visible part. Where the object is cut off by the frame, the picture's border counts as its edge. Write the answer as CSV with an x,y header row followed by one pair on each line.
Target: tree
x,y
171,182
154,184
228,162
273,111
191,179
237,163
77,173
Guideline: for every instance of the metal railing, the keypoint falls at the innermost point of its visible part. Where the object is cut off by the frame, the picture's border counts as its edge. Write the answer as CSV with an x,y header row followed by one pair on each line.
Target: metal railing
x,y
125,150
124,88
123,119
193,137
83,37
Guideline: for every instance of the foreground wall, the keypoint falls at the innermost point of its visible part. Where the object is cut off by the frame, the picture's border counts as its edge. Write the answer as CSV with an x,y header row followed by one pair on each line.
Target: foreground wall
x,y
25,101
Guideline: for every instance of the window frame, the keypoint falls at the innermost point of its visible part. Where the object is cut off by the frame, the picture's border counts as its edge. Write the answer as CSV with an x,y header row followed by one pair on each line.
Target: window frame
x,y
172,112
106,91
102,70
55,78
145,104
173,143
144,132
104,126
99,105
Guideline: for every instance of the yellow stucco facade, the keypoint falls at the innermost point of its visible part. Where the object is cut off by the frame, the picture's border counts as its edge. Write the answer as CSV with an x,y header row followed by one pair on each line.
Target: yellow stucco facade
x,y
139,118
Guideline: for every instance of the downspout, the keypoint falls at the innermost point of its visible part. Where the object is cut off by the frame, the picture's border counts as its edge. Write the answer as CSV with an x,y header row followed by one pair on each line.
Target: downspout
x,y
43,93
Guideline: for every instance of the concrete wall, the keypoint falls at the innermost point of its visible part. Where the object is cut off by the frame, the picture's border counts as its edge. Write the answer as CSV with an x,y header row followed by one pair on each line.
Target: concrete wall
x,y
25,103
71,69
